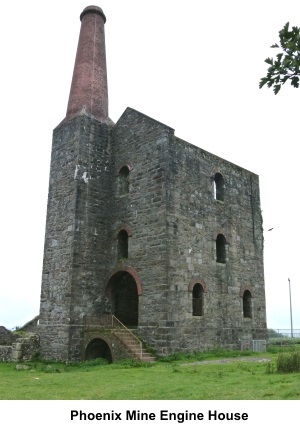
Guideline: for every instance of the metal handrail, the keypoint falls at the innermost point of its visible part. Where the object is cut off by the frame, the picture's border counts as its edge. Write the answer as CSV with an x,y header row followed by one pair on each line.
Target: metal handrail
x,y
111,321
116,322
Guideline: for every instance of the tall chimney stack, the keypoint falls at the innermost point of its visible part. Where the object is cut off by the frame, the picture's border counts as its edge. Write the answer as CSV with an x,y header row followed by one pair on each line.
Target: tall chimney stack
x,y
89,84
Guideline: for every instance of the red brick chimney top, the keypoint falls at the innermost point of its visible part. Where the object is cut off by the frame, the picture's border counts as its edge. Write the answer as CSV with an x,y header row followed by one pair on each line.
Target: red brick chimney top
x,y
92,9
88,93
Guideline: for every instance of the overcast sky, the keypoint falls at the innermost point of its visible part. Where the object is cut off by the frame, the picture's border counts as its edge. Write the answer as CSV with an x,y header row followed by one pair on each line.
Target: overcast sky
x,y
194,66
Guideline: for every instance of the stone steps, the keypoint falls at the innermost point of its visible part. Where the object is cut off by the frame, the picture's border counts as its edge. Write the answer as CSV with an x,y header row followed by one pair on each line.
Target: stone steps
x,y
134,345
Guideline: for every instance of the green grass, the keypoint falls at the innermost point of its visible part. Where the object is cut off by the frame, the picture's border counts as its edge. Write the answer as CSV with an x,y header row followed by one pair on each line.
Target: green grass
x,y
177,378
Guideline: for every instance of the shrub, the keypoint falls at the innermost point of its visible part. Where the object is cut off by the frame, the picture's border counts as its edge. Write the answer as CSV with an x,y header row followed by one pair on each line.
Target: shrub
x,y
288,362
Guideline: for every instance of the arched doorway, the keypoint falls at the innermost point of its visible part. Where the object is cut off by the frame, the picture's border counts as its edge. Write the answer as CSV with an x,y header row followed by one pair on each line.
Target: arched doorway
x,y
98,348
123,290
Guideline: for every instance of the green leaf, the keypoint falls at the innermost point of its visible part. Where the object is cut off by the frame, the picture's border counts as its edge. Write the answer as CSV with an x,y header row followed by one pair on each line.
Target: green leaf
x,y
295,82
276,88
285,29
269,61
284,79
286,65
262,82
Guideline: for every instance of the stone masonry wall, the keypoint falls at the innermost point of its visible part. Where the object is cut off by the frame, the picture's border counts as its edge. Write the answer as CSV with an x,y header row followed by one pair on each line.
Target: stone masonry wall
x,y
195,218
142,143
75,240
174,219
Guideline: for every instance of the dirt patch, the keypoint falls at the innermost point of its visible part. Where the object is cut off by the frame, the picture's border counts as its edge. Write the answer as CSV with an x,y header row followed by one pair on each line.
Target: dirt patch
x,y
230,360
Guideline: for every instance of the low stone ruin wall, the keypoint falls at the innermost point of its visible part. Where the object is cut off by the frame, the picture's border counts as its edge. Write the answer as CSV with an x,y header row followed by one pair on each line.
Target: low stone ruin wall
x,y
13,347
7,337
5,353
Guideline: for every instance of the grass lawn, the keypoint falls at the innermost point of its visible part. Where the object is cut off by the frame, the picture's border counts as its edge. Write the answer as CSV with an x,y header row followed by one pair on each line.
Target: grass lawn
x,y
181,379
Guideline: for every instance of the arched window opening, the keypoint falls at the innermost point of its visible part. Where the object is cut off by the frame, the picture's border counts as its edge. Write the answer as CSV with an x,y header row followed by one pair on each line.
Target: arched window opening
x,y
122,244
247,305
221,248
198,296
218,187
124,180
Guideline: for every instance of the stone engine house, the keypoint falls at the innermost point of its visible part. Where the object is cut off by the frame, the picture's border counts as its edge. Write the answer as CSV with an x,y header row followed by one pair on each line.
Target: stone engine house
x,y
149,239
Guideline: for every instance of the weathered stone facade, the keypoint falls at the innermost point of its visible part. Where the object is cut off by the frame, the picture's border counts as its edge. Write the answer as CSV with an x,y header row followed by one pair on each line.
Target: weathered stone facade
x,y
15,346
147,227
